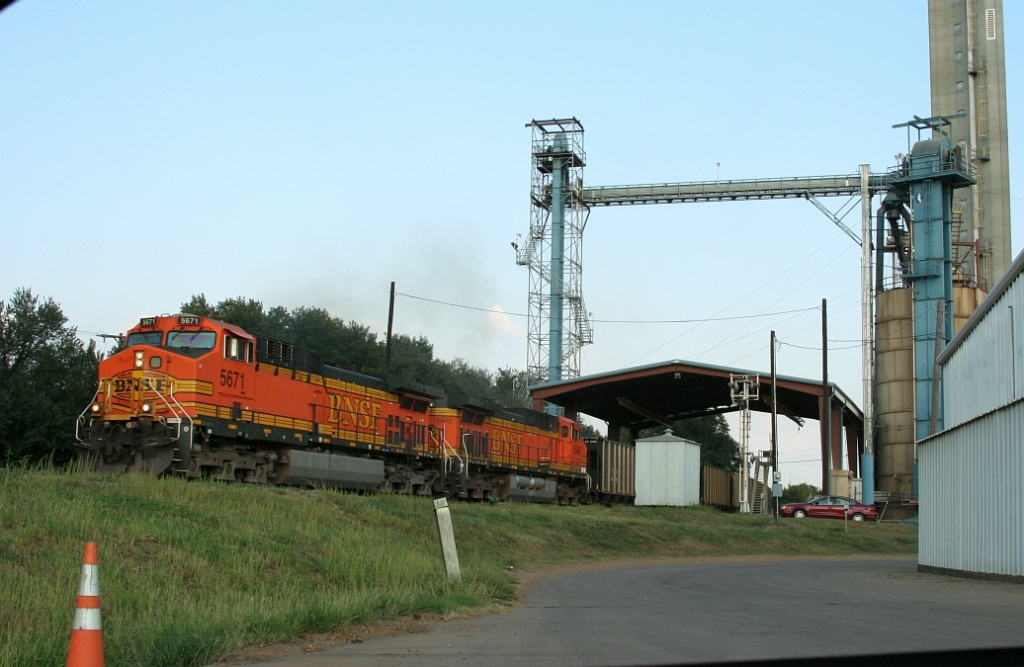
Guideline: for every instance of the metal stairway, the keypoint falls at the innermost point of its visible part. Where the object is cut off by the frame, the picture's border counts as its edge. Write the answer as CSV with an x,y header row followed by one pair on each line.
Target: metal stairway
x,y
761,502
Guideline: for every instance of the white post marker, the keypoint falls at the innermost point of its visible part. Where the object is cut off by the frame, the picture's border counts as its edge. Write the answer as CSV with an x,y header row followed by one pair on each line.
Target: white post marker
x,y
446,533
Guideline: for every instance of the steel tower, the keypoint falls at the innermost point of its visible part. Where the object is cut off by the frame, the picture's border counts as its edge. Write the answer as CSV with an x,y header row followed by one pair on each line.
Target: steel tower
x,y
558,324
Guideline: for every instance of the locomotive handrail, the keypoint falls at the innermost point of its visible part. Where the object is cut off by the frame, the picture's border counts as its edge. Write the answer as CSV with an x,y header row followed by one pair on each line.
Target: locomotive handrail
x,y
433,436
446,457
81,417
171,408
191,422
79,422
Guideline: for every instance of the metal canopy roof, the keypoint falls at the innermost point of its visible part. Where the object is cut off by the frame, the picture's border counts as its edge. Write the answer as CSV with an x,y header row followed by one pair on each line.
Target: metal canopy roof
x,y
672,390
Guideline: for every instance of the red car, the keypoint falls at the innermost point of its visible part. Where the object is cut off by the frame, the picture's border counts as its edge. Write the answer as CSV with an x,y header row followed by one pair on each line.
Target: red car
x,y
831,507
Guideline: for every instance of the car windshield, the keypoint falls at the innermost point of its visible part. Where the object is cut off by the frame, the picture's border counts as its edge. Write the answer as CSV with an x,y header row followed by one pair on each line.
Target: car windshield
x,y
202,340
145,338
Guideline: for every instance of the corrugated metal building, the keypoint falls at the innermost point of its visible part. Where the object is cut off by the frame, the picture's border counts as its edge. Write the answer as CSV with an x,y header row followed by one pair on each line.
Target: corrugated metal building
x,y
667,471
972,472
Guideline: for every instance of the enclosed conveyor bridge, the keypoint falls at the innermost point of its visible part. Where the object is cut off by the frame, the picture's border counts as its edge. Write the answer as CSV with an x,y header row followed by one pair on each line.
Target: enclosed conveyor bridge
x,y
710,191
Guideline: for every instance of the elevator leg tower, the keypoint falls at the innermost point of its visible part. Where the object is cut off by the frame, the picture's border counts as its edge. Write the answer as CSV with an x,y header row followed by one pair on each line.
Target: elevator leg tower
x,y
558,323
926,180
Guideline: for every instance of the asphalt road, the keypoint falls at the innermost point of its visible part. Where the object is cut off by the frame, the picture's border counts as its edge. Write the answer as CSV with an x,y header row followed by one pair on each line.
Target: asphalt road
x,y
714,612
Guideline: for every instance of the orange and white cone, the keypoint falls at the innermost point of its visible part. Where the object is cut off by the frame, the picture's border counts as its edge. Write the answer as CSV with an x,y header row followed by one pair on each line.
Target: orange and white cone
x,y
87,633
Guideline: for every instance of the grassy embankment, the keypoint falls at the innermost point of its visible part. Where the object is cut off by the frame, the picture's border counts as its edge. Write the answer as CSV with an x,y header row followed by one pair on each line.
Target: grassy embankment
x,y
189,571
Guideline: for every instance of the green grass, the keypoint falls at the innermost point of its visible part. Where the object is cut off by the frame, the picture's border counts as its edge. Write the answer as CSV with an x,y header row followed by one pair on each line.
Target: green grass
x,y
189,571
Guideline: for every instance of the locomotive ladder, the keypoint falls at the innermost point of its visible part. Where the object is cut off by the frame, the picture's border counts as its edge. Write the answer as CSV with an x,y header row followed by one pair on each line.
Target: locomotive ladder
x,y
449,455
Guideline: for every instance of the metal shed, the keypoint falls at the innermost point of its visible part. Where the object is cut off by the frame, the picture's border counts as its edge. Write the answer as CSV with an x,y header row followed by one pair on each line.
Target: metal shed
x,y
972,472
667,471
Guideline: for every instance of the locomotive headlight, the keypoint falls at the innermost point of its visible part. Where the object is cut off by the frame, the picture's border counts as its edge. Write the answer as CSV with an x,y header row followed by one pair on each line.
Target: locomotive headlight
x,y
96,408
147,408
138,359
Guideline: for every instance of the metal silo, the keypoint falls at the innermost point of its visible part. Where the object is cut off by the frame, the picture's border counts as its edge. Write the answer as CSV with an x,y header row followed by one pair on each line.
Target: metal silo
x,y
894,458
965,302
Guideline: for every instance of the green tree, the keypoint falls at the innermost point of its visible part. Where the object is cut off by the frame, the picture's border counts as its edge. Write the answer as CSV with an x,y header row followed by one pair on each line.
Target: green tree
x,y
277,323
461,376
242,312
411,358
510,388
47,377
717,446
799,493
338,343
198,305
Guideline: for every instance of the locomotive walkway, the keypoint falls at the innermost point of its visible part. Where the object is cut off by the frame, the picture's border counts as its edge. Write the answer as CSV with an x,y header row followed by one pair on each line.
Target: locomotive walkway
x,y
714,611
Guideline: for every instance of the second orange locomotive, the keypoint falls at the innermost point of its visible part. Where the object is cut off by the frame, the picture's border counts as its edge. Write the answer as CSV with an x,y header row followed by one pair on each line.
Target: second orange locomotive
x,y
201,398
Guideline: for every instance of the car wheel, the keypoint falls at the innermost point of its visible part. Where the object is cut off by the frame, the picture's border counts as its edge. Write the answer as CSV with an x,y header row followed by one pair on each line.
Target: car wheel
x,y
799,514
858,517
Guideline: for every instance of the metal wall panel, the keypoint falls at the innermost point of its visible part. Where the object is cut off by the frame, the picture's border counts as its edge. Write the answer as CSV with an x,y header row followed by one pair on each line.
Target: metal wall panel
x,y
716,486
667,473
972,495
987,370
617,475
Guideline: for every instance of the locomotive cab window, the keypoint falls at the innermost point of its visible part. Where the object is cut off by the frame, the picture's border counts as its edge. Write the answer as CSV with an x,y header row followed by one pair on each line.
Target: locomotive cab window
x,y
238,349
145,338
565,431
193,340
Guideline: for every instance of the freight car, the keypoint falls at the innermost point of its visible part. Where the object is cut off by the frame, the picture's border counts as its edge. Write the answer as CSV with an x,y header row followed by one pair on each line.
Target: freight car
x,y
612,467
199,398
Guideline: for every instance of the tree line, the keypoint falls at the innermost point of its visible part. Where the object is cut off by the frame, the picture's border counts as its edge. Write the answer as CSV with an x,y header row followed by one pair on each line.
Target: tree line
x,y
47,377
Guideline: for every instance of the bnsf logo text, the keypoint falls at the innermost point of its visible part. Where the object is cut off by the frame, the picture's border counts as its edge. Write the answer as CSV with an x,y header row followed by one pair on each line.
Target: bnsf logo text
x,y
506,441
348,411
126,385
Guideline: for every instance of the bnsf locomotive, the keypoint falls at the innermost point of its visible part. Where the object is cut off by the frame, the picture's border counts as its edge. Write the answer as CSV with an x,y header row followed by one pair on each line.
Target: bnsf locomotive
x,y
205,399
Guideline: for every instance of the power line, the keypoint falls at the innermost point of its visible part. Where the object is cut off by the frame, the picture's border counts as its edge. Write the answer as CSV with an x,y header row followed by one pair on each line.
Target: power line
x,y
750,354
687,321
750,293
730,338
818,349
459,305
710,319
100,334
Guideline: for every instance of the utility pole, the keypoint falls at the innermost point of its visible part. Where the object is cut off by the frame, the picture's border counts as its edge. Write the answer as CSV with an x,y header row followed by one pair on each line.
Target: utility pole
x,y
391,319
776,474
826,401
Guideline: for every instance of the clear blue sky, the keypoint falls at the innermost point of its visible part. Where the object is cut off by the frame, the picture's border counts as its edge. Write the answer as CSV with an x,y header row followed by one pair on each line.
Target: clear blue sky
x,y
310,153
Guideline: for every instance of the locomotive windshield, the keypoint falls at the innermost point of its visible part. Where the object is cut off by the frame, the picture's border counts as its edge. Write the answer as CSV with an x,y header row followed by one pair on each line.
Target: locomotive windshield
x,y
145,338
194,340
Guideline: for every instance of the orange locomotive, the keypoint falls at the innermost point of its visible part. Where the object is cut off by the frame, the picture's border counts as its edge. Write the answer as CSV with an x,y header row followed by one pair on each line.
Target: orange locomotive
x,y
204,399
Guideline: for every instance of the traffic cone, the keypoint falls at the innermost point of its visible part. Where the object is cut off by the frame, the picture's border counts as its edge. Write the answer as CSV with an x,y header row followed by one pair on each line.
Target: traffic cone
x,y
87,633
